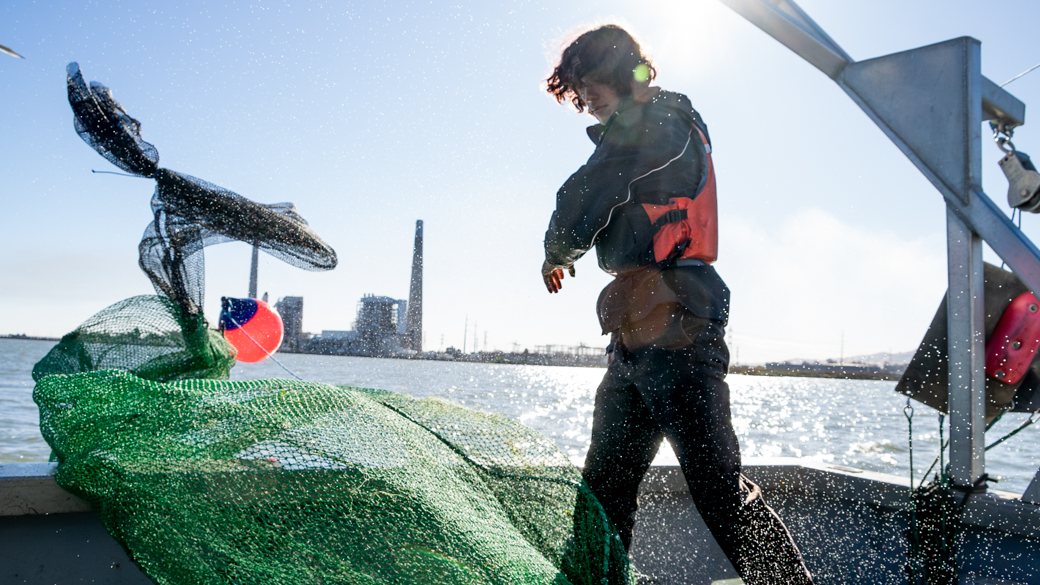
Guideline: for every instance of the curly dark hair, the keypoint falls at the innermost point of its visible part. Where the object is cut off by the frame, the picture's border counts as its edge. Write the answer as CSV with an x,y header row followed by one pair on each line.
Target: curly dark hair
x,y
608,55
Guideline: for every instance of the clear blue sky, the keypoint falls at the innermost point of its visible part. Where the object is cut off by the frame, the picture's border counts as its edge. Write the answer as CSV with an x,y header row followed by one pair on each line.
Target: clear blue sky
x,y
369,117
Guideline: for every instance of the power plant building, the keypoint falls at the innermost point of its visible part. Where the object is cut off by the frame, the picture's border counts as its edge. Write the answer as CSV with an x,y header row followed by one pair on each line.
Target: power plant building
x,y
291,311
376,325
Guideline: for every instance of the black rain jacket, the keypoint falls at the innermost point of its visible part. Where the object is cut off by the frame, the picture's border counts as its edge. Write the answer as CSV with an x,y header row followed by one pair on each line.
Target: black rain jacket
x,y
647,152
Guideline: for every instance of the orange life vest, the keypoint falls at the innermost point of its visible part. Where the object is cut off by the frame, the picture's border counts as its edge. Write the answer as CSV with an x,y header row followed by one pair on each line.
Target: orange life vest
x,y
688,228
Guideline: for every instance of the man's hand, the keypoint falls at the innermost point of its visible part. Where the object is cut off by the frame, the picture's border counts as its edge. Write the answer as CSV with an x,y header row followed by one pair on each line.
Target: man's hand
x,y
553,276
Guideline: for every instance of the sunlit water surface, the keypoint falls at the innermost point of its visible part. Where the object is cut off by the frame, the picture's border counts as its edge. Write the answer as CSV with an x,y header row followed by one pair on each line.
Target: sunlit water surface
x,y
856,423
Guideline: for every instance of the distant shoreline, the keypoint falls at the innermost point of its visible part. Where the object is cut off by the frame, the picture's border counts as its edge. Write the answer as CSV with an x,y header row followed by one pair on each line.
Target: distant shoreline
x,y
538,359
29,337
535,359
839,375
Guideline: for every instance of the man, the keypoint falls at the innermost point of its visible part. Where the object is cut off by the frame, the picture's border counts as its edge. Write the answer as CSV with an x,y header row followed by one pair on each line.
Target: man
x,y
646,201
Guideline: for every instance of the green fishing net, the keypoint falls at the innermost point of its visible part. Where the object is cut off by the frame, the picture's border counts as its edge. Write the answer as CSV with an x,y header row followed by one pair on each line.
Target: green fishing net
x,y
278,481
147,335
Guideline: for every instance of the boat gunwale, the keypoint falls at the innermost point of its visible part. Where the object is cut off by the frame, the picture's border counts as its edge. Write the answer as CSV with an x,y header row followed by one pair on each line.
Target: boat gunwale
x,y
28,489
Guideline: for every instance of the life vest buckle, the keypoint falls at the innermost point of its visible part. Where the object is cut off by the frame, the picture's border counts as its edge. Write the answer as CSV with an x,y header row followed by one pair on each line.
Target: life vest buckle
x,y
674,216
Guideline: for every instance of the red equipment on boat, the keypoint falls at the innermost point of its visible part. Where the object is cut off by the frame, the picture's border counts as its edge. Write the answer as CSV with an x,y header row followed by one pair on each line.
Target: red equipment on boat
x,y
1014,342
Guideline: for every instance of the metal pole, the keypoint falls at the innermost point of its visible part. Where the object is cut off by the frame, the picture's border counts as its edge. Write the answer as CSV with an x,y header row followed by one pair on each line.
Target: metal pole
x,y
966,310
253,271
966,317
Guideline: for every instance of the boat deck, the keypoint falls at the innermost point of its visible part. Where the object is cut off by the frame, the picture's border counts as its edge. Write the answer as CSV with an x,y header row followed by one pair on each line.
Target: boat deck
x,y
849,524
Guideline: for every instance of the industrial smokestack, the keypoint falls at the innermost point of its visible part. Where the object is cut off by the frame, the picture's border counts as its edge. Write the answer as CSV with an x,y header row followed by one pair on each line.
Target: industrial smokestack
x,y
414,331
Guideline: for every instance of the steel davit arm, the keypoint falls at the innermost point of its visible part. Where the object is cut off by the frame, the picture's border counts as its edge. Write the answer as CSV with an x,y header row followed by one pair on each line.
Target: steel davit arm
x,y
931,103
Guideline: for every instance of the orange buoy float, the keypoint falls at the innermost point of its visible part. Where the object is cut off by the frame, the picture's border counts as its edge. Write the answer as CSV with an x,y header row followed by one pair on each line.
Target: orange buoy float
x,y
252,327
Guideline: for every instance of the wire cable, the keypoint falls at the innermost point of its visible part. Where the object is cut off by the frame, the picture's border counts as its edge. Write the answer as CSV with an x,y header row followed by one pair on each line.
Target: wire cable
x,y
1032,419
1020,75
115,173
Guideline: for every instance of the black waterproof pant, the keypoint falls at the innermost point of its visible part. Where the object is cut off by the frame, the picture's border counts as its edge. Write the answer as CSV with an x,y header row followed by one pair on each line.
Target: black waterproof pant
x,y
650,394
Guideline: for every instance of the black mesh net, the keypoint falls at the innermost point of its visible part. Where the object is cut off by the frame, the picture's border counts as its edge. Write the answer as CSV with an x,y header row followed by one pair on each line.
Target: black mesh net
x,y
167,338
103,124
190,213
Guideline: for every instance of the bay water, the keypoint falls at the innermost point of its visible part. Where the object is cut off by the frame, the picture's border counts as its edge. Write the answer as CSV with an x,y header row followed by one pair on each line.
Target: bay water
x,y
853,423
